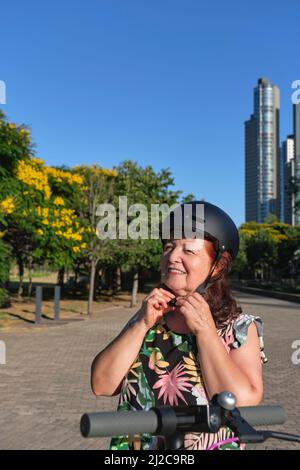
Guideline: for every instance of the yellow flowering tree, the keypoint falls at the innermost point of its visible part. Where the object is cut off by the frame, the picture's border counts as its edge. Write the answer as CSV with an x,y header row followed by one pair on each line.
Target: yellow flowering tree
x,y
15,145
57,228
42,217
37,218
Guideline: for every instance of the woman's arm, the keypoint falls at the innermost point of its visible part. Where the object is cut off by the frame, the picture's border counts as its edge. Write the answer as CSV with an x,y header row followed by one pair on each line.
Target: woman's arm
x,y
112,364
239,372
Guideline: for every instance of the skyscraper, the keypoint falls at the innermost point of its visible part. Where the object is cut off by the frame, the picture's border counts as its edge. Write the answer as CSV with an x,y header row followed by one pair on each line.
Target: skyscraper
x,y
297,161
287,172
262,154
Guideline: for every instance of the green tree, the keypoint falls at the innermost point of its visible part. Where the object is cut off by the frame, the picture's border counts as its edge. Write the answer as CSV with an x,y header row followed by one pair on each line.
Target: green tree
x,y
294,190
240,263
15,145
271,218
261,254
97,189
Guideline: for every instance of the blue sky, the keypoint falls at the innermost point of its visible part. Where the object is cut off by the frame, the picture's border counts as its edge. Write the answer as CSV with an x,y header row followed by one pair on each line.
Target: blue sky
x,y
162,82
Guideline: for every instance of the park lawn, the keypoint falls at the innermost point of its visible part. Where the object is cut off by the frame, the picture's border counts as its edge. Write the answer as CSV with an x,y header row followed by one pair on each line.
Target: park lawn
x,y
21,314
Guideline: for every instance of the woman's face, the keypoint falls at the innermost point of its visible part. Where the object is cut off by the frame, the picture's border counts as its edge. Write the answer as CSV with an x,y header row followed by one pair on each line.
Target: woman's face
x,y
185,264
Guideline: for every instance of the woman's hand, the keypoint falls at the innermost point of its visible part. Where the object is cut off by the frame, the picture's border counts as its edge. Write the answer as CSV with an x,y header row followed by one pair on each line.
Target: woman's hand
x,y
196,313
154,306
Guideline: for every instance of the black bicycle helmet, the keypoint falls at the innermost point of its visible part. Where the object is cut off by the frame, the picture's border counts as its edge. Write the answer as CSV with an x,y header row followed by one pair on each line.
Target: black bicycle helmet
x,y
216,226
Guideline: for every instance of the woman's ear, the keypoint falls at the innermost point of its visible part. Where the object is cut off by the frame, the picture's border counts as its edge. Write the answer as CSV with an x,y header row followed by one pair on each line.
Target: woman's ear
x,y
223,264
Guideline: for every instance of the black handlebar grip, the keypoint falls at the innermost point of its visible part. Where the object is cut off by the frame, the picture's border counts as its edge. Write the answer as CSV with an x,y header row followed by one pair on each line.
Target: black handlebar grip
x,y
117,423
263,415
112,423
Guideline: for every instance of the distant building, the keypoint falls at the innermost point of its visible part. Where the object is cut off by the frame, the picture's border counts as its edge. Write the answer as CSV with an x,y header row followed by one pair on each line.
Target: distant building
x,y
287,172
296,109
262,154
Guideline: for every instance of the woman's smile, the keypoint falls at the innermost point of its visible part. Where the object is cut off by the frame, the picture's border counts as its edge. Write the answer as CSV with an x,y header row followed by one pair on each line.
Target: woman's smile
x,y
175,271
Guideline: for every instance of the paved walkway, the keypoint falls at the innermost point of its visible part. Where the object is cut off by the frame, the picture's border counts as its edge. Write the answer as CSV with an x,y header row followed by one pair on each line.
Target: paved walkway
x,y
44,386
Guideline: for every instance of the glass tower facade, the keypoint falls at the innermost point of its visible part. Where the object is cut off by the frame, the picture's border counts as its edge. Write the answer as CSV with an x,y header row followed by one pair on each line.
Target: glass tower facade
x,y
287,172
263,154
297,162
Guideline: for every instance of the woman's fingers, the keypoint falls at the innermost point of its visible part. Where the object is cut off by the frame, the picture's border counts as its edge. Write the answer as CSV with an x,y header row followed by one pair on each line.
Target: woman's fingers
x,y
157,301
180,300
194,302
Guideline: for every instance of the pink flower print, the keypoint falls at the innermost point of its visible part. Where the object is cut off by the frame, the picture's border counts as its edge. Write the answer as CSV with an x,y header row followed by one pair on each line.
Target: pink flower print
x,y
200,395
171,385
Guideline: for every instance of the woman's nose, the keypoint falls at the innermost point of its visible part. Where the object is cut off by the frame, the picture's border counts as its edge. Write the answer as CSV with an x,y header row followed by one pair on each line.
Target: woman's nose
x,y
175,255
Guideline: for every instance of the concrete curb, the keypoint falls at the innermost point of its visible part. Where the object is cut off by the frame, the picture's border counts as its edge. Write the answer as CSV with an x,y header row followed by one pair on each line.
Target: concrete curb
x,y
267,293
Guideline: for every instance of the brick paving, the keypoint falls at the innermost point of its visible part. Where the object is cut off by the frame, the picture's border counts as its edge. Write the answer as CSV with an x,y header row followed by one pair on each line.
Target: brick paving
x,y
44,386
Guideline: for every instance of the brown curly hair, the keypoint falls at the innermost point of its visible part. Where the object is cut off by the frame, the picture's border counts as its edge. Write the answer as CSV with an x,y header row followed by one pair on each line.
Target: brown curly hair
x,y
219,296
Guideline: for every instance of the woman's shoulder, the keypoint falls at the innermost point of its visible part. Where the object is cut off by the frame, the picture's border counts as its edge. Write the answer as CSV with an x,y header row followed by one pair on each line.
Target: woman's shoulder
x,y
241,324
240,327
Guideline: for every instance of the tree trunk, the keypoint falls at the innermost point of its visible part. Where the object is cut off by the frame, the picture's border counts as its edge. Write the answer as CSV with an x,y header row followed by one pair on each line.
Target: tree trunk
x,y
119,279
30,269
116,284
61,279
21,277
91,289
75,281
96,283
61,276
135,286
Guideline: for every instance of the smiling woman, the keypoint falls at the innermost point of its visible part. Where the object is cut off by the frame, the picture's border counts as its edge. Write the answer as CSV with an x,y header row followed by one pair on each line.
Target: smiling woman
x,y
189,340
197,258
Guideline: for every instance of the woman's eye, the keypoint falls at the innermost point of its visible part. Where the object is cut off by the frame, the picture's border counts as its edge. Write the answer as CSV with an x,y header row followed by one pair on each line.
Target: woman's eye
x,y
168,247
189,251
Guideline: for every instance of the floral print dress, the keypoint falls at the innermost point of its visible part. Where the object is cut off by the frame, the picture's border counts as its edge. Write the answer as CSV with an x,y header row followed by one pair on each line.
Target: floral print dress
x,y
167,372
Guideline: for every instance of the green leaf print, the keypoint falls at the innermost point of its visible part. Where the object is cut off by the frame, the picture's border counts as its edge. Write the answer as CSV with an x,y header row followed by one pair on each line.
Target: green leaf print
x,y
146,440
230,446
125,406
183,347
145,396
145,350
150,335
119,443
177,339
